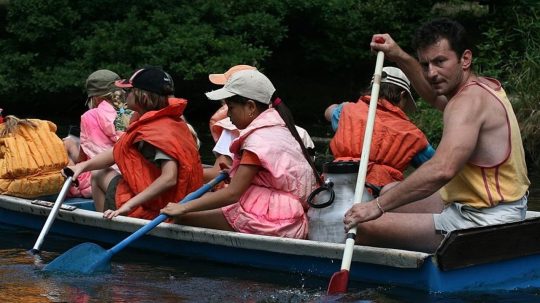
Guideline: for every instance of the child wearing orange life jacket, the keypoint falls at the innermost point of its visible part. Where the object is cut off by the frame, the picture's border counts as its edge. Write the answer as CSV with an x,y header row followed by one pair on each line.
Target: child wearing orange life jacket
x,y
396,142
157,155
272,173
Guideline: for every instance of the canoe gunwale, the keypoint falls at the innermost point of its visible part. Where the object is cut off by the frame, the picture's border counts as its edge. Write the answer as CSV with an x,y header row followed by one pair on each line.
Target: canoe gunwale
x,y
364,254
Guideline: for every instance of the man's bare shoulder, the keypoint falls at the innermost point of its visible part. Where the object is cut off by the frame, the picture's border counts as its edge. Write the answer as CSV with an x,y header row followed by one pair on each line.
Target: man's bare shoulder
x,y
472,97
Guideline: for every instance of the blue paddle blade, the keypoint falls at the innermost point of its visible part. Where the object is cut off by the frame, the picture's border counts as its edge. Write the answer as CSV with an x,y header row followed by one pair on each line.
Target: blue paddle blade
x,y
84,258
88,258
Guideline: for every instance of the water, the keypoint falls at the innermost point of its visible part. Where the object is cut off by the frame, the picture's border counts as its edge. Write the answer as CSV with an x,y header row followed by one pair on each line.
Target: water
x,y
141,277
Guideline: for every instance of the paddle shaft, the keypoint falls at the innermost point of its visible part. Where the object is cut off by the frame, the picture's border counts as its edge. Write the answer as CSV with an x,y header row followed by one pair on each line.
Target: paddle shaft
x,y
52,215
149,226
364,158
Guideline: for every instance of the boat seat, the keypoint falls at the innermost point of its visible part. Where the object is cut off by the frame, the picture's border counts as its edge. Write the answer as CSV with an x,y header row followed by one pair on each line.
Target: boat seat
x,y
468,247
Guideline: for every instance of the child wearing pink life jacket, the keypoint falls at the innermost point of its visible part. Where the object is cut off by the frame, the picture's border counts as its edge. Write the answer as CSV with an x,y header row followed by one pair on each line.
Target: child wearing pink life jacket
x,y
223,131
272,173
157,155
101,125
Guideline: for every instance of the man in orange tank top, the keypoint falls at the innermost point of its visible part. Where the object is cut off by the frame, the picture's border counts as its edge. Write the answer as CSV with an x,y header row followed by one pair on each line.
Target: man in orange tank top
x,y
478,174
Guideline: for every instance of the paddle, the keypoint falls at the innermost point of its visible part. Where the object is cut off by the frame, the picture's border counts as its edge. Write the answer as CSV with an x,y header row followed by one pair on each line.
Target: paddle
x,y
340,280
52,215
88,257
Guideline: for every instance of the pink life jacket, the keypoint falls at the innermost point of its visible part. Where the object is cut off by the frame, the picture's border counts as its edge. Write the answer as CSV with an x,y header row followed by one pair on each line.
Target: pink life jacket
x,y
275,203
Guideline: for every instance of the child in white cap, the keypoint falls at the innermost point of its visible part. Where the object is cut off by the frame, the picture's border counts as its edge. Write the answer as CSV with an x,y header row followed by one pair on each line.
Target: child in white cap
x,y
272,173
396,142
224,132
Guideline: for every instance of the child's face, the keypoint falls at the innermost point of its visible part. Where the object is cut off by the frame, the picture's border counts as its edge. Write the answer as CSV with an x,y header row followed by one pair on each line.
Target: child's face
x,y
130,101
241,114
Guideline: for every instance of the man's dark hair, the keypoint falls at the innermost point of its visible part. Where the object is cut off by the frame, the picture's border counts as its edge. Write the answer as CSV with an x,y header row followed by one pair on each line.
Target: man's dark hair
x,y
431,32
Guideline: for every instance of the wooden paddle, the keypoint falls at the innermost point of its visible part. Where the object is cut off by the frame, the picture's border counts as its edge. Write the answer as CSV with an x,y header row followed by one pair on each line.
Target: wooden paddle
x,y
340,280
87,258
52,215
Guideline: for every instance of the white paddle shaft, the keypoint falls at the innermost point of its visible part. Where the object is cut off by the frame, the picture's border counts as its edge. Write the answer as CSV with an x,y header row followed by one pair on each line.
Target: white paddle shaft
x,y
364,157
52,214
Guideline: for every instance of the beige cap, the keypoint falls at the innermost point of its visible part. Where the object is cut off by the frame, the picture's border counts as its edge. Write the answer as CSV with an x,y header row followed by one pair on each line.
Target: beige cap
x,y
250,84
220,79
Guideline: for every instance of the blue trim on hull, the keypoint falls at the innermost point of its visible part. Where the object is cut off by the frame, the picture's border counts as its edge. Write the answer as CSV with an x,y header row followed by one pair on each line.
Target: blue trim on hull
x,y
485,277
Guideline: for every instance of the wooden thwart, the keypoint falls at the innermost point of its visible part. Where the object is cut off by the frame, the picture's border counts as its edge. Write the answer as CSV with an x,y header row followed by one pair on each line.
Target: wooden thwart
x,y
467,247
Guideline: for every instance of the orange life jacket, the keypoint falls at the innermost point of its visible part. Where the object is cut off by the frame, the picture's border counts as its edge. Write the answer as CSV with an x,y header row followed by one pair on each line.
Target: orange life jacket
x,y
31,158
165,130
396,140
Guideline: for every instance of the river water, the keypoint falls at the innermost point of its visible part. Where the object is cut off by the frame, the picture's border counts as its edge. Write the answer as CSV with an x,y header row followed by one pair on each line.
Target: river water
x,y
144,277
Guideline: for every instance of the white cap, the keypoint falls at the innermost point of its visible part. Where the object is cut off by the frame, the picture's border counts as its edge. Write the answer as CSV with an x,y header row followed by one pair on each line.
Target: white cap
x,y
250,84
395,76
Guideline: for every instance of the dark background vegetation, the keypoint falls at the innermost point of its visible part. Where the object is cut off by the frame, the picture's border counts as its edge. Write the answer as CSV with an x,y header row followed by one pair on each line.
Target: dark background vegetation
x,y
316,52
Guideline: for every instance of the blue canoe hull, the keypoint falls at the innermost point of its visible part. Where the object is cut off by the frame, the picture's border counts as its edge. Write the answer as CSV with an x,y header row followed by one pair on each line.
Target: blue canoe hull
x,y
380,266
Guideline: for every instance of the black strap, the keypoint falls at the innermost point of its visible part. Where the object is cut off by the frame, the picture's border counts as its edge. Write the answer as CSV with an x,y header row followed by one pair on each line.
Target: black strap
x,y
326,187
375,190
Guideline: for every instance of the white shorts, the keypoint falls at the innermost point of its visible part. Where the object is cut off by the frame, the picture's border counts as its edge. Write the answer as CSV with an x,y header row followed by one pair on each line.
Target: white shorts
x,y
461,216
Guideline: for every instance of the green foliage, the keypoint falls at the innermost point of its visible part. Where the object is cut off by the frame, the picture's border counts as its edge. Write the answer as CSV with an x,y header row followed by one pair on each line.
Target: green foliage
x,y
511,51
50,47
429,120
337,33
54,45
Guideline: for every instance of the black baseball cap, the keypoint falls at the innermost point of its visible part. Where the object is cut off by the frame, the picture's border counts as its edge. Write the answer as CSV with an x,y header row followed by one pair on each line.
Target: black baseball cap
x,y
152,79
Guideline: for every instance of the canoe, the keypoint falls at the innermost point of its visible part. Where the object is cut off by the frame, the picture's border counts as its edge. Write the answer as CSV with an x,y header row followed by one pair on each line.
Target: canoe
x,y
501,257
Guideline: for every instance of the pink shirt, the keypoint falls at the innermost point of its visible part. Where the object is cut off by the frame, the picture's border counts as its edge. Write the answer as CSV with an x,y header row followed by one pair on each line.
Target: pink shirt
x,y
98,134
97,129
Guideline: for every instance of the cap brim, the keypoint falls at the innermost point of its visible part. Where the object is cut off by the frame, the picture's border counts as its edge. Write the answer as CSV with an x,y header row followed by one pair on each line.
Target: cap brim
x,y
218,79
123,83
219,94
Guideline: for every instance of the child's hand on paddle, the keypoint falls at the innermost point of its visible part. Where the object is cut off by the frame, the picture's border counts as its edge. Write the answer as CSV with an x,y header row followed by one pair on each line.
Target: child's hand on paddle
x,y
68,172
225,168
72,170
173,209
